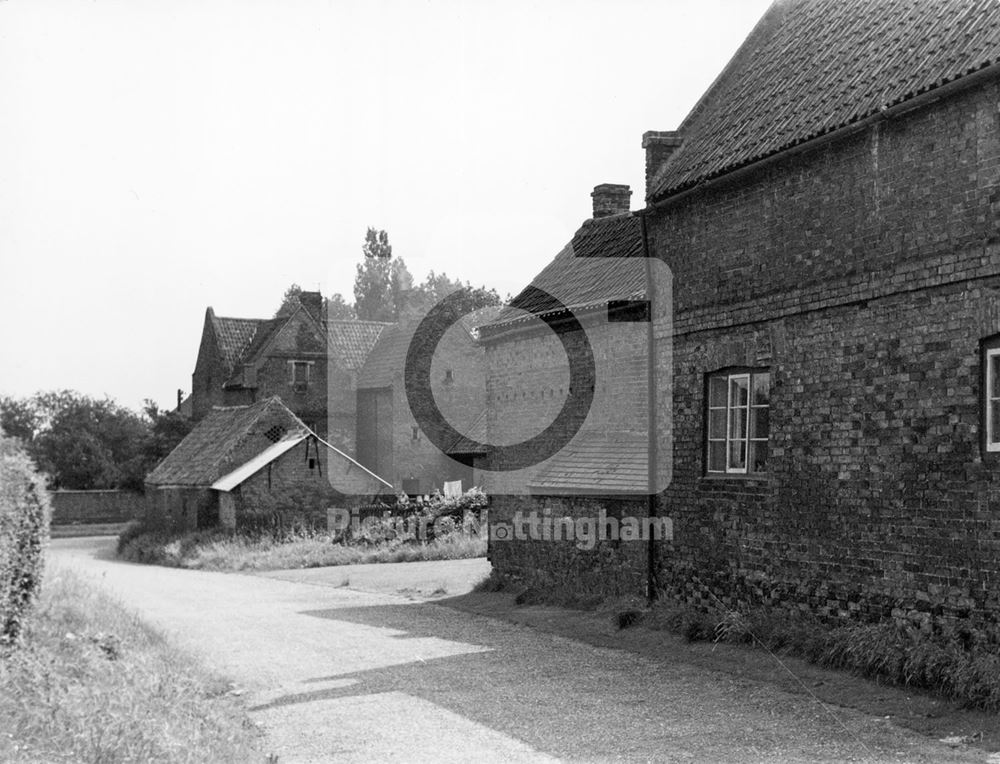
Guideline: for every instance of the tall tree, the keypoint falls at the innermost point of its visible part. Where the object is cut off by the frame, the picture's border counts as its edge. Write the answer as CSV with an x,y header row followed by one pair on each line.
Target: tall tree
x,y
438,286
382,282
338,309
290,301
19,418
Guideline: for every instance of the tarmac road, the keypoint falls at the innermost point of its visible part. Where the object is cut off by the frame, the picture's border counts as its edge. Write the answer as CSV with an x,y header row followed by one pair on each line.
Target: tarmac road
x,y
337,674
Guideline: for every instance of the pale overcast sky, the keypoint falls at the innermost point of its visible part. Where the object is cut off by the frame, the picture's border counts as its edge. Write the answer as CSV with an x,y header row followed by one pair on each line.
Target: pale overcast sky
x,y
160,157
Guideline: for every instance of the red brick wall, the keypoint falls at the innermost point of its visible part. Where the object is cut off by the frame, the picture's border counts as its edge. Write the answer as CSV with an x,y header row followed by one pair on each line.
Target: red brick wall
x,y
863,274
290,487
208,376
527,384
86,507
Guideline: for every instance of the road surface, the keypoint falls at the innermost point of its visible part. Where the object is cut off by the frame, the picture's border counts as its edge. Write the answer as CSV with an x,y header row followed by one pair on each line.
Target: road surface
x,y
334,673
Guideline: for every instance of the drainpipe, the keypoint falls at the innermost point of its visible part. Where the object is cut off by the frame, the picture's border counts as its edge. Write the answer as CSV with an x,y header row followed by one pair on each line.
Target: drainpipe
x,y
651,417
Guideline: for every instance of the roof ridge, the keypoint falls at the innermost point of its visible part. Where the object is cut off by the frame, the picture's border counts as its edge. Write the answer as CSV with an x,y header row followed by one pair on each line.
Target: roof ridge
x,y
262,406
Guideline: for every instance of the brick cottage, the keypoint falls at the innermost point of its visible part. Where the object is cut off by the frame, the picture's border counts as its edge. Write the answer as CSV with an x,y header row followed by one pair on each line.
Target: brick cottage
x,y
829,211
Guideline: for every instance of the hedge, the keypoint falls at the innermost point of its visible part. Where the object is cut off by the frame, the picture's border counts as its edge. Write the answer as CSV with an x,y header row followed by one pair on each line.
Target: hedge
x,y
24,529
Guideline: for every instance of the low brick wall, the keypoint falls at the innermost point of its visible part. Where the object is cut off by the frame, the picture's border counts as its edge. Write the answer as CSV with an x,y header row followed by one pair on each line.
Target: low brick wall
x,y
610,568
95,507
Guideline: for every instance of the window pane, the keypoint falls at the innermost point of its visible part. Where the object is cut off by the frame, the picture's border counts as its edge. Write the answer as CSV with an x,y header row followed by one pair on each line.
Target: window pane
x,y
758,456
737,454
738,391
717,456
717,391
994,376
994,433
761,389
760,422
738,423
717,423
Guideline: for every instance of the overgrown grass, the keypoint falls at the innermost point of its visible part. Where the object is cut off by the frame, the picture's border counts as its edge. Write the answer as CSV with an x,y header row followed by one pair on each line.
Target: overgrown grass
x,y
949,658
215,550
91,682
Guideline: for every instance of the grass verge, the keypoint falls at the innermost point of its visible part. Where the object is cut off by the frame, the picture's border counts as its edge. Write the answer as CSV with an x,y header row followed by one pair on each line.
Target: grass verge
x,y
951,659
215,550
92,682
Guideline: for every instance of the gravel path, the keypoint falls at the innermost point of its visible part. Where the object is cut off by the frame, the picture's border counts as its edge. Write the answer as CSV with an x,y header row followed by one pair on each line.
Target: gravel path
x,y
336,674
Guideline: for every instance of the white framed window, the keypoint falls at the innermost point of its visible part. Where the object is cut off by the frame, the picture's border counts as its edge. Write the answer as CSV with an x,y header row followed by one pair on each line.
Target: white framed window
x,y
738,422
991,409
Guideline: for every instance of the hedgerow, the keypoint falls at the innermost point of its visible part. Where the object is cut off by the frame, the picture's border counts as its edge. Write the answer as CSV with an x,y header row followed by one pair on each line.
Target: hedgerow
x,y
24,529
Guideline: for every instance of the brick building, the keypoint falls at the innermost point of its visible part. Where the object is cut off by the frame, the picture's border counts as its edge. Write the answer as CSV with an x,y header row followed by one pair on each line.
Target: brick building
x,y
344,379
389,439
830,212
309,362
257,462
598,276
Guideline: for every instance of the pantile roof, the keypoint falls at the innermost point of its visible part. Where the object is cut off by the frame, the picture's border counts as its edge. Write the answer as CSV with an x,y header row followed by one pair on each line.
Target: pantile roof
x,y
234,335
352,341
812,66
603,262
597,462
201,458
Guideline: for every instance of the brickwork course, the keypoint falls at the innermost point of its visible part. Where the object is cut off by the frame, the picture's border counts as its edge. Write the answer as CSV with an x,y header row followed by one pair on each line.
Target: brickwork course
x,y
830,213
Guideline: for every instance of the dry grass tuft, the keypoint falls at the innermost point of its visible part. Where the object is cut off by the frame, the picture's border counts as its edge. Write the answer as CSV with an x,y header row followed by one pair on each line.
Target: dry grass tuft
x,y
233,552
91,682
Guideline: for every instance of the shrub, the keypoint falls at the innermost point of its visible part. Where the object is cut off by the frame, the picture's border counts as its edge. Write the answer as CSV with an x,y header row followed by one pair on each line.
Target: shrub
x,y
24,528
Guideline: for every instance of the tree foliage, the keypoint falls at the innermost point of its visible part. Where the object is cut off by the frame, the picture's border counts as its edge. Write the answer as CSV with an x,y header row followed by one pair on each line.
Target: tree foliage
x,y
438,286
337,308
86,443
382,282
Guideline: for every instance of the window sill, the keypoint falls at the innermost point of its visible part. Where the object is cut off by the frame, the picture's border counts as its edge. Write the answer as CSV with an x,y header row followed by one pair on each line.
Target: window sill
x,y
743,480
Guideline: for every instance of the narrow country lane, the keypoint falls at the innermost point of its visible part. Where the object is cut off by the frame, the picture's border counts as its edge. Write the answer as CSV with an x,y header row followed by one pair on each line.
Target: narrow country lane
x,y
337,674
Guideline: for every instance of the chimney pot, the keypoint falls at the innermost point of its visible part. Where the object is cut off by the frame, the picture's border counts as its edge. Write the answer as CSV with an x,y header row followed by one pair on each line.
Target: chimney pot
x,y
610,199
660,146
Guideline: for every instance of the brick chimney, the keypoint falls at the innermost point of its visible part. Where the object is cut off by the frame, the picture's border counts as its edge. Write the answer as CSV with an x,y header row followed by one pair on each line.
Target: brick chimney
x,y
610,199
312,302
660,146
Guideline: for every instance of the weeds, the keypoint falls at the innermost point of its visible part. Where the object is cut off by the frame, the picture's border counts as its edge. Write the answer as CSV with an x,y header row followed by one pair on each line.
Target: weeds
x,y
217,550
951,660
91,682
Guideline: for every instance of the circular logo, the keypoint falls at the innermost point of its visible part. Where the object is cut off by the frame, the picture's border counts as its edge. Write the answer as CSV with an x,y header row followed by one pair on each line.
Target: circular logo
x,y
542,305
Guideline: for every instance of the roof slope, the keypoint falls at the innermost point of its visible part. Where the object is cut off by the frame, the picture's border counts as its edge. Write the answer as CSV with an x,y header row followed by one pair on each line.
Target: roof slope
x,y
604,462
603,262
474,441
200,459
812,66
352,341
234,336
387,357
